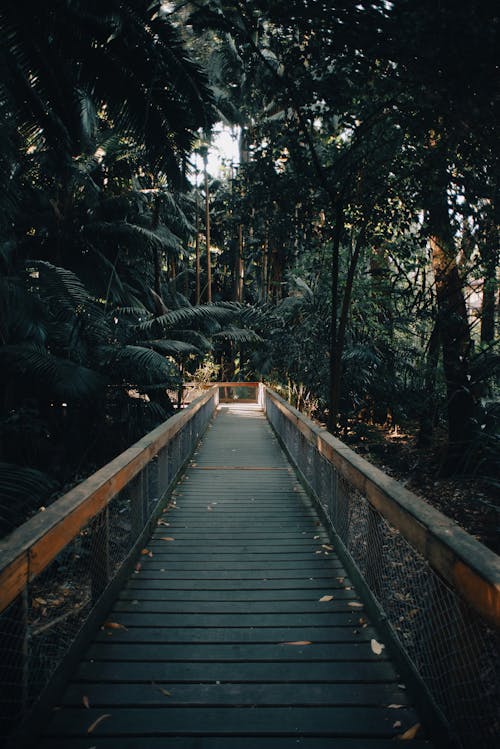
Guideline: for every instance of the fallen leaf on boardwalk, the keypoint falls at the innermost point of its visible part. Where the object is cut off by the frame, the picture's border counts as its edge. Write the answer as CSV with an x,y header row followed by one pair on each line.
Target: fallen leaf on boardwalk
x,y
165,692
297,642
410,733
150,554
318,552
362,621
96,722
315,538
376,647
138,567
397,724
162,522
167,538
340,580
326,598
210,508
85,701
144,552
355,605
327,547
394,707
114,625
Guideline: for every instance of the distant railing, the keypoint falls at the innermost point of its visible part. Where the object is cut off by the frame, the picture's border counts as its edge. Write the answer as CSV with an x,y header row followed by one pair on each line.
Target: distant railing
x,y
60,570
432,588
229,392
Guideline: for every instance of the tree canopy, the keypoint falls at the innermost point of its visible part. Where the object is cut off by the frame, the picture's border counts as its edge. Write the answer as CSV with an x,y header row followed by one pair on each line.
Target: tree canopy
x,y
350,257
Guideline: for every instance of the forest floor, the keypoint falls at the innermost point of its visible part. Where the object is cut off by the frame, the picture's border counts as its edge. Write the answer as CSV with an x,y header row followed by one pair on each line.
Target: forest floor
x,y
471,502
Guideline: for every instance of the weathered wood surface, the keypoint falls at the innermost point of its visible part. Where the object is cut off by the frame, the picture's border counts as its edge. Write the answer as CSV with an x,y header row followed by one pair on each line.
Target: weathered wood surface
x,y
197,652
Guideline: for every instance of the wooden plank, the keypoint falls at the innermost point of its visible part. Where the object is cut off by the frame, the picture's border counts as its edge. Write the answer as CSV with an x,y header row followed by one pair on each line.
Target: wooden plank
x,y
207,541
195,595
130,695
235,594
144,619
288,672
272,557
222,742
291,633
308,567
239,570
230,652
317,721
235,607
168,587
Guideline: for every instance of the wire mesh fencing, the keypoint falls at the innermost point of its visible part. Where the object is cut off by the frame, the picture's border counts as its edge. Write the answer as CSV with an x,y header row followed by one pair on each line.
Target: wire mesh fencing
x,y
41,624
453,649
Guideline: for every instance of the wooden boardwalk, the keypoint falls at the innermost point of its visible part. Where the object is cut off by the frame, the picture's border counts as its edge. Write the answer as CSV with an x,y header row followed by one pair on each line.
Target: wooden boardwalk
x,y
241,629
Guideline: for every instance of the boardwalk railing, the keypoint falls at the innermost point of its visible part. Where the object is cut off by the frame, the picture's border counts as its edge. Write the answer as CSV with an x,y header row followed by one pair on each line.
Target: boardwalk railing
x,y
229,392
59,571
433,589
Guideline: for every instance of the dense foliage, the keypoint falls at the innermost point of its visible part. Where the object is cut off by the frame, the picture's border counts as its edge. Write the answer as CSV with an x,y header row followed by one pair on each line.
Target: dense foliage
x,y
352,250
367,198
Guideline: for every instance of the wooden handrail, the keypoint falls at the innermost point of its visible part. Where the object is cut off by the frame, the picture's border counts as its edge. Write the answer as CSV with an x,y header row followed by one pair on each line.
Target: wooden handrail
x,y
29,549
222,384
467,565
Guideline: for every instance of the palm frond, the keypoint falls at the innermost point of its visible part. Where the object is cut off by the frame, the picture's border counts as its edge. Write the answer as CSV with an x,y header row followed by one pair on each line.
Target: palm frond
x,y
186,315
191,336
68,299
161,239
136,365
171,346
22,491
238,335
48,375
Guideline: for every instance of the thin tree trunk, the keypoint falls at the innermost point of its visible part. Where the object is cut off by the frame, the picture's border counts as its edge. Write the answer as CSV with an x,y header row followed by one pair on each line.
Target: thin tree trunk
x,y
456,342
428,409
264,261
157,258
489,255
207,232
452,318
336,381
333,404
240,269
197,251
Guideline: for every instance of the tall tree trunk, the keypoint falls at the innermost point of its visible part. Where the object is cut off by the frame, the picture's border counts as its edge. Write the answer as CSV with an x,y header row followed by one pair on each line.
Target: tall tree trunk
x,y
197,251
336,379
265,264
428,407
207,231
489,251
157,258
333,405
240,269
453,322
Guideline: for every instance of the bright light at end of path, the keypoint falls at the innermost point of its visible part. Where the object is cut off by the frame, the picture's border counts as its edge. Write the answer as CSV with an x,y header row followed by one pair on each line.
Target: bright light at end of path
x,y
224,150
222,153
